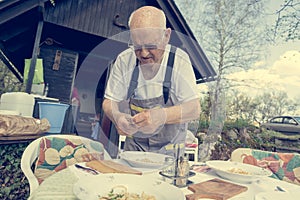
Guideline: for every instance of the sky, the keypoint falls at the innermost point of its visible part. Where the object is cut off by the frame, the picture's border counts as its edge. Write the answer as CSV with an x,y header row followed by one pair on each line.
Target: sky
x,y
279,70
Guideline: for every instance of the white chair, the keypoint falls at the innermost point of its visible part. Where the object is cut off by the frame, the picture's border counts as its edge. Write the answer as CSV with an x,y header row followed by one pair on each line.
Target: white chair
x,y
30,155
122,139
192,148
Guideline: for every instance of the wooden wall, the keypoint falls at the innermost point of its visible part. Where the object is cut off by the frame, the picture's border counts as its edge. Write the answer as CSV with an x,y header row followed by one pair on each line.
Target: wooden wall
x,y
100,17
60,80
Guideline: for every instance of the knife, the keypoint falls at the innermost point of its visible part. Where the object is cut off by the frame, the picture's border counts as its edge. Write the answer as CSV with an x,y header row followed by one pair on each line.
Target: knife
x,y
87,168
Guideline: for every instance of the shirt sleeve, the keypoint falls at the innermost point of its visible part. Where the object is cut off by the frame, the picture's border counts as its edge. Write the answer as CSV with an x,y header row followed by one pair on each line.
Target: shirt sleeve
x,y
120,76
185,87
115,87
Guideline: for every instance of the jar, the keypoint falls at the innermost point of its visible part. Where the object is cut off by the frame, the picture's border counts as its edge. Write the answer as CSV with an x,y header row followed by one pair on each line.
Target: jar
x,y
168,172
183,171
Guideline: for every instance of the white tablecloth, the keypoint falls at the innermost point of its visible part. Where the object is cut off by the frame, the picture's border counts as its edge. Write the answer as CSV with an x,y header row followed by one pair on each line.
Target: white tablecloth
x,y
60,186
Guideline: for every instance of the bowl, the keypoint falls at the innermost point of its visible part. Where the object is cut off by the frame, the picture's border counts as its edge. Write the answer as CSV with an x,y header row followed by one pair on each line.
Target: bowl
x,y
239,172
140,159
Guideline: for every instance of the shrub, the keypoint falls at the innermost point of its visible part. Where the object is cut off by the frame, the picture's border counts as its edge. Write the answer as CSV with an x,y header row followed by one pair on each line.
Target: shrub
x,y
14,185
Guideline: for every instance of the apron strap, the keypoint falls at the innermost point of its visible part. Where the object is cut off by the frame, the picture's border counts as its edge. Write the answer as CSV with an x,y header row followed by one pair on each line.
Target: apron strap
x,y
168,75
133,81
167,81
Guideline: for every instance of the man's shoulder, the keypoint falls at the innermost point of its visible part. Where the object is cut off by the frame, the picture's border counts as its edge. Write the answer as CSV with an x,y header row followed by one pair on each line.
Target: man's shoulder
x,y
179,51
126,54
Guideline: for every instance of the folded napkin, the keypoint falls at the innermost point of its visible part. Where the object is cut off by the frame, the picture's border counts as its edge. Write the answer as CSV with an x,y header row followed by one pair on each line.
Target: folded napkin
x,y
109,166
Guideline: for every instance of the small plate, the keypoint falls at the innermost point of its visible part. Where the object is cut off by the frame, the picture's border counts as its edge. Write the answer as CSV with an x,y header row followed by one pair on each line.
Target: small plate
x,y
237,171
140,159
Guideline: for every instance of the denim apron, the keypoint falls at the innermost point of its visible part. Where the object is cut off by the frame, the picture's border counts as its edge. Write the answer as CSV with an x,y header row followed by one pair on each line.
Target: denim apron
x,y
168,139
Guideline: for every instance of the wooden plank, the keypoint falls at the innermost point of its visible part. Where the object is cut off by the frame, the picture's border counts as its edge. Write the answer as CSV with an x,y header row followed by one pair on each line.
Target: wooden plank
x,y
19,138
83,11
93,20
9,64
89,8
96,26
34,56
66,18
9,33
18,10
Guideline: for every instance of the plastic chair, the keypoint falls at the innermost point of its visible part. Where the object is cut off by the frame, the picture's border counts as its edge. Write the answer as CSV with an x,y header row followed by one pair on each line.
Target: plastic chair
x,y
192,148
30,155
284,166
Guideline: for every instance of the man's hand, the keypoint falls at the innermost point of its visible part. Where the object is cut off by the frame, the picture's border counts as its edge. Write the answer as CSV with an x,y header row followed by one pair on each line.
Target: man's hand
x,y
148,121
125,125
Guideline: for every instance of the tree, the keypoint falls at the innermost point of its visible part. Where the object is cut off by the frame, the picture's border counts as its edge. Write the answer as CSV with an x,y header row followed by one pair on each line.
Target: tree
x,y
287,24
240,106
8,82
231,33
274,103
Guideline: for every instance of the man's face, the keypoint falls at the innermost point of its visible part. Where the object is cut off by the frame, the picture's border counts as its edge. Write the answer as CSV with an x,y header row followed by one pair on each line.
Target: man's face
x,y
149,45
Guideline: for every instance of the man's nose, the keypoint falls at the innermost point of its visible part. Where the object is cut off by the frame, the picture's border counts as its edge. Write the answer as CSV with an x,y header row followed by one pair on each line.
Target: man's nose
x,y
144,51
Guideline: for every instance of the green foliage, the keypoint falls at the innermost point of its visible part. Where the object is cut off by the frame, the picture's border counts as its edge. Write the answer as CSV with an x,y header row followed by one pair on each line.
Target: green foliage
x,y
203,124
237,124
14,185
8,82
258,140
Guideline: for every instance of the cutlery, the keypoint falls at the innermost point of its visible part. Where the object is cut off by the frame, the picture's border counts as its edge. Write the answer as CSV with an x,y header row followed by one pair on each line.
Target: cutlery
x,y
280,189
87,169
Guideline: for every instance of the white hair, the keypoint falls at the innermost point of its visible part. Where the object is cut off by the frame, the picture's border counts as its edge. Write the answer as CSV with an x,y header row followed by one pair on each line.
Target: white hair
x,y
163,21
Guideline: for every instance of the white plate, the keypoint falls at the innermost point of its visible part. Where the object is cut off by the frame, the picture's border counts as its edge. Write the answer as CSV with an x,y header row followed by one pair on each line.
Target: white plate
x,y
143,170
277,196
237,171
142,159
94,186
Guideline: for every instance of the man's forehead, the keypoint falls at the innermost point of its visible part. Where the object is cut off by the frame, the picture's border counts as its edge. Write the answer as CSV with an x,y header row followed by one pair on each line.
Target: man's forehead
x,y
146,35
146,30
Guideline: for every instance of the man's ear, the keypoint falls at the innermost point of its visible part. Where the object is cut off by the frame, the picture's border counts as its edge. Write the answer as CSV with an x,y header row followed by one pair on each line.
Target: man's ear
x,y
167,35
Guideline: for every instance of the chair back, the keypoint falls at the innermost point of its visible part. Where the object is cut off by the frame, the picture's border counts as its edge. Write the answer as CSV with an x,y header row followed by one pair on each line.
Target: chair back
x,y
31,153
192,148
284,166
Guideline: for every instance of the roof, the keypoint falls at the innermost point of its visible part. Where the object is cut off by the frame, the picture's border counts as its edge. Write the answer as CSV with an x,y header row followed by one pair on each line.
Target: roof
x,y
79,26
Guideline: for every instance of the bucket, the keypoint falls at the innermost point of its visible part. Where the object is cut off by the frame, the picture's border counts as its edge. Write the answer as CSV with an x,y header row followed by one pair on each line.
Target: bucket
x,y
54,113
19,102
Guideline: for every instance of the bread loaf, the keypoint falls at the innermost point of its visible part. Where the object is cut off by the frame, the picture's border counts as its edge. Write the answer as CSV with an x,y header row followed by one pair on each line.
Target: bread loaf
x,y
109,166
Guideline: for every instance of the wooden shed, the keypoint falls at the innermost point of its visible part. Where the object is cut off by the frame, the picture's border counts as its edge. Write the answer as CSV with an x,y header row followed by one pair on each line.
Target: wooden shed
x,y
77,40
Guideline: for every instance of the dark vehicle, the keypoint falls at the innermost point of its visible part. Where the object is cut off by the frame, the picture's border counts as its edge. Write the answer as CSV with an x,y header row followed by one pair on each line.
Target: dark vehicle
x,y
283,124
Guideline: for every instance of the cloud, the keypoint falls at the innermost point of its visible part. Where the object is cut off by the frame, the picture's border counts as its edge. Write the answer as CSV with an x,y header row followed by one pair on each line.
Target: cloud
x,y
288,69
288,64
284,75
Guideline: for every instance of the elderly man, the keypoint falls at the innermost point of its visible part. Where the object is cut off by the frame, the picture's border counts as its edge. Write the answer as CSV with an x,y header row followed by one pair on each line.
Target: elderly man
x,y
158,82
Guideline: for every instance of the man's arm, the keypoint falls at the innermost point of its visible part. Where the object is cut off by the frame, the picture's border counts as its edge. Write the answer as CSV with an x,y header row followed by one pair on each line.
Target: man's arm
x,y
111,109
184,112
